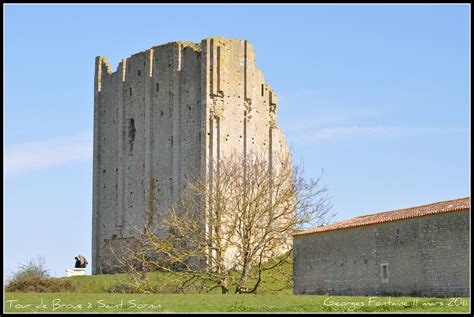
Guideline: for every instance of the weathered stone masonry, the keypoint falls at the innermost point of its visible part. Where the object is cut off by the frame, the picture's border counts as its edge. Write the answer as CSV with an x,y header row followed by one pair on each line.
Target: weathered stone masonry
x,y
424,255
166,113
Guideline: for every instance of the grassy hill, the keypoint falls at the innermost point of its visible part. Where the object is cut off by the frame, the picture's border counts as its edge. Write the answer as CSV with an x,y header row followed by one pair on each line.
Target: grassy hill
x,y
104,293
110,283
272,283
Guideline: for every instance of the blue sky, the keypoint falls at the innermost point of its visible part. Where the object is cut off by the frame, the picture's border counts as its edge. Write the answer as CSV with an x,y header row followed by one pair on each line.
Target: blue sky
x,y
377,96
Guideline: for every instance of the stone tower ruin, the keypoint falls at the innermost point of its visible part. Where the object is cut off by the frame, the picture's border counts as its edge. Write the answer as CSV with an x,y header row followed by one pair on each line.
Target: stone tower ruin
x,y
164,113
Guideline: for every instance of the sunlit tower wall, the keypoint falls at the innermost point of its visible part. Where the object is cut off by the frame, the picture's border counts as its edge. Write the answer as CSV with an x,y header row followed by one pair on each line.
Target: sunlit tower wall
x,y
165,114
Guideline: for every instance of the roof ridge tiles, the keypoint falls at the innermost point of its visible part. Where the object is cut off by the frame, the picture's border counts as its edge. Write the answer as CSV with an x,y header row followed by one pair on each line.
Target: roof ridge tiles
x,y
394,215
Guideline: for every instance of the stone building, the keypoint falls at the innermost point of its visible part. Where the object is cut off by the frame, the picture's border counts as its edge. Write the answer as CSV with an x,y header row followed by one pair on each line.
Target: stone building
x,y
422,251
168,112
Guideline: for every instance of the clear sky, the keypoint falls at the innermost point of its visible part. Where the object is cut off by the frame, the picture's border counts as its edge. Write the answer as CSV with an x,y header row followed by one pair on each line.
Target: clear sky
x,y
377,96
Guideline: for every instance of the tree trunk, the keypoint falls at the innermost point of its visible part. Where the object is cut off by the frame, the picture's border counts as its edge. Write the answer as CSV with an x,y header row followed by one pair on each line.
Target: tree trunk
x,y
225,289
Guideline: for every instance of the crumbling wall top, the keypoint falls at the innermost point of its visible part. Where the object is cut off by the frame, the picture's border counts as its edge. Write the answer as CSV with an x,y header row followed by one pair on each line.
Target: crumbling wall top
x,y
103,59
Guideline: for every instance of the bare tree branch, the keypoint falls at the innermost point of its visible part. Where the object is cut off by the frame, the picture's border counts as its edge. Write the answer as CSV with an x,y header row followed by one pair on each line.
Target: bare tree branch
x,y
225,231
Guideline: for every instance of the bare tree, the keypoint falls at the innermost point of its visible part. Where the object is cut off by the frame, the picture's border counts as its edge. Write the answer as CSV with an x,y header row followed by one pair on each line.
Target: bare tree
x,y
231,225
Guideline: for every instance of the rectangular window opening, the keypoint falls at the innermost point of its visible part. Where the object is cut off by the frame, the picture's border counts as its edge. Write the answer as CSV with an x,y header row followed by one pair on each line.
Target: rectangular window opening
x,y
384,272
131,132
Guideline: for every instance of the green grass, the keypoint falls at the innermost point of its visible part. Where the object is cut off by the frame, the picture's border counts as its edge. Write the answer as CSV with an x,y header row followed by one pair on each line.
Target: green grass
x,y
91,295
103,302
272,282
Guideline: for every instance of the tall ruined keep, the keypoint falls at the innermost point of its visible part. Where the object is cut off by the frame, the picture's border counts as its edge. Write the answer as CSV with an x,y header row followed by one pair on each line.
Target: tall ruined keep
x,y
165,113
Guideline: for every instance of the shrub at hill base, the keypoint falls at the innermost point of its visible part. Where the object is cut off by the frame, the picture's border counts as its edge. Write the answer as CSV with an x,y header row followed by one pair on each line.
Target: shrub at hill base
x,y
33,277
40,284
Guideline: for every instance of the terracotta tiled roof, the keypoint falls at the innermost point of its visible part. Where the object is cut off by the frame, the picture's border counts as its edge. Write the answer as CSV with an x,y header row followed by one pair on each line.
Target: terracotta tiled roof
x,y
435,208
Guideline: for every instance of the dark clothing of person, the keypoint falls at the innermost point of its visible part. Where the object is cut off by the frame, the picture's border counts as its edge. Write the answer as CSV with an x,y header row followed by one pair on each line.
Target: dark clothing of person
x,y
78,264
